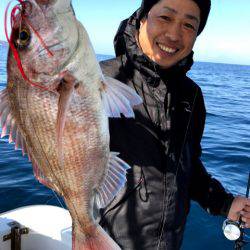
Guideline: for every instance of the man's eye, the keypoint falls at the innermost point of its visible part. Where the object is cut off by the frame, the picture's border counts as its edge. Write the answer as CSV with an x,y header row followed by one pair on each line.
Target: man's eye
x,y
165,18
190,26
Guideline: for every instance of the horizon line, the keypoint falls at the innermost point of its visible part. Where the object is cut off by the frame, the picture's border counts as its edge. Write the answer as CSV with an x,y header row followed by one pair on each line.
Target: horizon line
x,y
112,55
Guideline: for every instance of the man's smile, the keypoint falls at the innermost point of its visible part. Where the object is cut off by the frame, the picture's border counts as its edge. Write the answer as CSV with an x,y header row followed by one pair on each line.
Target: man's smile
x,y
168,49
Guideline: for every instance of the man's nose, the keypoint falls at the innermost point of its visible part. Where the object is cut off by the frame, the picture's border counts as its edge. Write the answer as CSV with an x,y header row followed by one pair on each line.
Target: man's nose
x,y
174,32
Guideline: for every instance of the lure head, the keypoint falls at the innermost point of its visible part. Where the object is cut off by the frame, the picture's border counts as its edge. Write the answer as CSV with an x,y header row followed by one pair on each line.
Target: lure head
x,y
43,38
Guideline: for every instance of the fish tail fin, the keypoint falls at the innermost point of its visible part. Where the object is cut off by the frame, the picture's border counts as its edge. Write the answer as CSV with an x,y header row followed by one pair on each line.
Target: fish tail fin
x,y
99,240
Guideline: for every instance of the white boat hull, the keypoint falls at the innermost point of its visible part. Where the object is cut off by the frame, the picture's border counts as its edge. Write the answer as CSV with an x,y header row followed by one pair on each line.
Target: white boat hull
x,y
49,228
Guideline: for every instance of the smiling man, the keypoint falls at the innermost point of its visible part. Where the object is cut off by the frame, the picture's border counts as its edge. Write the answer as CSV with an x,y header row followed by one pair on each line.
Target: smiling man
x,y
168,33
162,144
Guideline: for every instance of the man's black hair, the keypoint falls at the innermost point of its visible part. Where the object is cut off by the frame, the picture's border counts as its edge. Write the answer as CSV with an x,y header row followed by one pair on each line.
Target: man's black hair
x,y
204,6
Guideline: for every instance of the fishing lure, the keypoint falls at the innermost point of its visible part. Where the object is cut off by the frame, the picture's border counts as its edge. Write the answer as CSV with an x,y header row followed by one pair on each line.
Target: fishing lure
x,y
21,10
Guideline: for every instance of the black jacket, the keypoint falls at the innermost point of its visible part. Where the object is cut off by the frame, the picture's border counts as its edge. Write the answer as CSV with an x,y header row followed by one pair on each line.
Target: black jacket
x,y
162,145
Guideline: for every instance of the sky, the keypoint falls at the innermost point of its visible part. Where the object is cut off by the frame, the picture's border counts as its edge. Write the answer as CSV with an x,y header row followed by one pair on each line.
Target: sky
x,y
226,38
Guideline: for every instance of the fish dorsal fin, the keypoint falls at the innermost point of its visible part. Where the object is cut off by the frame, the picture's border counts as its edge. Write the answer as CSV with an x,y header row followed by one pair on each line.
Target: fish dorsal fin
x,y
113,182
10,128
118,98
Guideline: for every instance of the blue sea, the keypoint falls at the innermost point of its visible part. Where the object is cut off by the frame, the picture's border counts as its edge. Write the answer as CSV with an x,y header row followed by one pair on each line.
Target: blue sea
x,y
226,151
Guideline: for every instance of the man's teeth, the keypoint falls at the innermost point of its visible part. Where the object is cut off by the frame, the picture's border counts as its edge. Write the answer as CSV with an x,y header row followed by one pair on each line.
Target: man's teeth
x,y
169,50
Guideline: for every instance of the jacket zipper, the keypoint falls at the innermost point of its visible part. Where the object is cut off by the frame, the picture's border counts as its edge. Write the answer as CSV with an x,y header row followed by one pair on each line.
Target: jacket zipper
x,y
163,219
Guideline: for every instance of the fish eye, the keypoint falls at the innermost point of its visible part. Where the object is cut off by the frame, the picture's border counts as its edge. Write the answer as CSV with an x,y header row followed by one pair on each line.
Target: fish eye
x,y
22,38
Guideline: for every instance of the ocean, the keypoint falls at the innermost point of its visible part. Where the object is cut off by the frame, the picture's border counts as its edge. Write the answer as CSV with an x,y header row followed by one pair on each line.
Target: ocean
x,y
226,151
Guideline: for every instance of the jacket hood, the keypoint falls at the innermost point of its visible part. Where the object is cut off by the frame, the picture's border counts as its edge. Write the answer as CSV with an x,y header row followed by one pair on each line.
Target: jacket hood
x,y
125,44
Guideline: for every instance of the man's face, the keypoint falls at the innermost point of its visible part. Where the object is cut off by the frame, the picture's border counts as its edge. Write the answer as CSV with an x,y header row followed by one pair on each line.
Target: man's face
x,y
168,33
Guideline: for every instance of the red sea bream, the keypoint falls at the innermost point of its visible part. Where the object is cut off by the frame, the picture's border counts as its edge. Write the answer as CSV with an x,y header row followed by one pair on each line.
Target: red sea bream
x,y
56,107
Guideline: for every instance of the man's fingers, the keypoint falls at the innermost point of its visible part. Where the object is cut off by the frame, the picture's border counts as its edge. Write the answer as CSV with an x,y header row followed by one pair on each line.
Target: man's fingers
x,y
246,221
245,214
247,225
239,204
246,209
245,217
247,202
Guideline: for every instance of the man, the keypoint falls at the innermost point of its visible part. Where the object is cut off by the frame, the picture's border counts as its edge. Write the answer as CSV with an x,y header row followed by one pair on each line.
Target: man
x,y
162,144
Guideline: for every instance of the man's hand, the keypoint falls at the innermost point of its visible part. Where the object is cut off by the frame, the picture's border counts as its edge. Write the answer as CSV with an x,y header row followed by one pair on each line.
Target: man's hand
x,y
240,207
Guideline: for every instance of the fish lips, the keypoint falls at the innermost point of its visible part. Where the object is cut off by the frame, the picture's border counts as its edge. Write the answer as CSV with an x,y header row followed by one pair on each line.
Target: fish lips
x,y
45,2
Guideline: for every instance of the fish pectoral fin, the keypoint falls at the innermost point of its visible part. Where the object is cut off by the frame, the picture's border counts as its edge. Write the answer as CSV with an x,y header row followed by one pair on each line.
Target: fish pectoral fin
x,y
65,90
118,98
113,182
8,123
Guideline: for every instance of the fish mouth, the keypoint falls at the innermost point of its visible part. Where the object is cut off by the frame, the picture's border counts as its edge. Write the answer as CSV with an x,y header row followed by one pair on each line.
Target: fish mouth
x,y
45,2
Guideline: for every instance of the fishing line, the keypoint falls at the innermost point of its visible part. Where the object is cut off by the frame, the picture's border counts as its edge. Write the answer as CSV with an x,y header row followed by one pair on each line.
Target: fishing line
x,y
56,195
20,9
52,197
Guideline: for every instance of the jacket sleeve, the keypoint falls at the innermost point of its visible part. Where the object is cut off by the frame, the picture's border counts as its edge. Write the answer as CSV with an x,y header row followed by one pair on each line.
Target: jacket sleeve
x,y
204,189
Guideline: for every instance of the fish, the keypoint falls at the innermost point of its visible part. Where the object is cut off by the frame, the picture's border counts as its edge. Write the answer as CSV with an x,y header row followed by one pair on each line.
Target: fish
x,y
56,107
